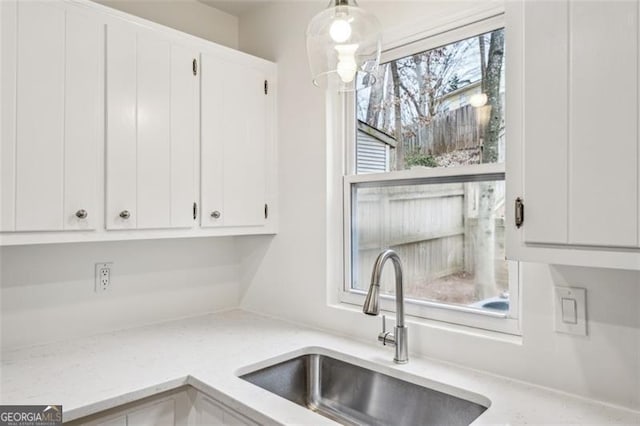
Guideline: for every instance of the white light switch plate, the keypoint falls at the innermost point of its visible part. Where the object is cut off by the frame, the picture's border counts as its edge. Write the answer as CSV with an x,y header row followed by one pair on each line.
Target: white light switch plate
x,y
573,319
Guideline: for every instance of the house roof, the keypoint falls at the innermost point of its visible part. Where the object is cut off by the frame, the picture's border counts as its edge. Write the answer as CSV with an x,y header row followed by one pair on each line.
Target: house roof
x,y
377,133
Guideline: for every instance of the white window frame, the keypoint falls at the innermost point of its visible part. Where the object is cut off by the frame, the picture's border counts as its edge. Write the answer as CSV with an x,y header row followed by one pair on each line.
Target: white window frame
x,y
508,322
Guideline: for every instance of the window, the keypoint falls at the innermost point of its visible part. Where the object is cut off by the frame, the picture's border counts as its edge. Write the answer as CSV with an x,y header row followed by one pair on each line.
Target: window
x,y
428,180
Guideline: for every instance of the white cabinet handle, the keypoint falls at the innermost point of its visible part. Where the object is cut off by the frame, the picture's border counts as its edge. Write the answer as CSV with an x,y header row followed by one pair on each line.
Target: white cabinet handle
x,y
216,214
82,214
125,214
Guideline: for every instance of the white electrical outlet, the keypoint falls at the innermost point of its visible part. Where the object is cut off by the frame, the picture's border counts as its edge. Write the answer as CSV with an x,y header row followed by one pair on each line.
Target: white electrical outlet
x,y
103,276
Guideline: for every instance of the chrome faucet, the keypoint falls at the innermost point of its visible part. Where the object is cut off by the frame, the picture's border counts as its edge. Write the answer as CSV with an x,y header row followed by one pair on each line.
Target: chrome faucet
x,y
371,306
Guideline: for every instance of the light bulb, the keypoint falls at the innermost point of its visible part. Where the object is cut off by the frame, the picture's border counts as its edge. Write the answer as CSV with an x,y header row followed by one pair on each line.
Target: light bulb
x,y
340,30
478,100
347,67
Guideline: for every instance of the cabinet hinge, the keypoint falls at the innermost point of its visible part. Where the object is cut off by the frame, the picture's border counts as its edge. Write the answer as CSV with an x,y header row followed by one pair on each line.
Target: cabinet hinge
x,y
195,66
266,87
195,211
519,212
266,211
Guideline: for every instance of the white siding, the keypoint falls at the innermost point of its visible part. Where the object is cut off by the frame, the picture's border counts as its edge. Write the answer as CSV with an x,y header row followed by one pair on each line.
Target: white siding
x,y
372,156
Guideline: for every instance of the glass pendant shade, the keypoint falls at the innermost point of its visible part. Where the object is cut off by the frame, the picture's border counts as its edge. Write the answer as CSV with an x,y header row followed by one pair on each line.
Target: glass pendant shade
x,y
343,45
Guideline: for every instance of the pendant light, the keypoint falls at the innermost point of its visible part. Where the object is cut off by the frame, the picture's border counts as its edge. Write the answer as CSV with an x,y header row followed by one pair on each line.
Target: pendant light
x,y
343,45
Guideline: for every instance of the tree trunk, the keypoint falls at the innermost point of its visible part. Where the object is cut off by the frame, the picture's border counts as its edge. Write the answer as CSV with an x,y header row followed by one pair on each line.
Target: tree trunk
x,y
485,235
386,101
485,275
483,65
397,104
492,89
420,122
375,100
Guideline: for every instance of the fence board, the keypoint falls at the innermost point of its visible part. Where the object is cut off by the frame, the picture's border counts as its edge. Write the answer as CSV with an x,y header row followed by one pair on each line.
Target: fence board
x,y
449,131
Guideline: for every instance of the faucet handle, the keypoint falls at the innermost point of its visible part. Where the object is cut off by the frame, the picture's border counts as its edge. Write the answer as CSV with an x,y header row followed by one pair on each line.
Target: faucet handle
x,y
385,337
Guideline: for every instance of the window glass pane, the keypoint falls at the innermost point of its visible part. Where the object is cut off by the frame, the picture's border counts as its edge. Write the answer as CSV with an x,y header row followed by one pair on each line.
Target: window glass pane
x,y
449,236
438,108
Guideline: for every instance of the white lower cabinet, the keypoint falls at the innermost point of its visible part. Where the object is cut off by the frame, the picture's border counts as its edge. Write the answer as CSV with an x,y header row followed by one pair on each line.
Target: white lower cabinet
x,y
210,412
182,407
116,421
162,413
172,408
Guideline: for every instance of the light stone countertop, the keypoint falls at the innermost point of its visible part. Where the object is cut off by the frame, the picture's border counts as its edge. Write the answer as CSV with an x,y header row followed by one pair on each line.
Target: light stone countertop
x,y
89,375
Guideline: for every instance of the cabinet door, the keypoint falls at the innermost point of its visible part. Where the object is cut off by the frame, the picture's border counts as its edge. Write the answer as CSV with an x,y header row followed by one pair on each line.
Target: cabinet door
x,y
172,408
51,96
121,152
603,123
236,112
8,71
580,126
545,131
116,421
40,116
209,412
185,133
152,110
153,168
84,121
159,414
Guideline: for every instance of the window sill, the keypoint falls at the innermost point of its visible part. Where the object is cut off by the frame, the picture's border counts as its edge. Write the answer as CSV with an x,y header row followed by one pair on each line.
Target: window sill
x,y
425,323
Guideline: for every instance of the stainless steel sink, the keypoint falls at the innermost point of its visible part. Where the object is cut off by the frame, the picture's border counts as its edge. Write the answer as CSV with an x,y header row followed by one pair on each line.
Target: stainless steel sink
x,y
353,395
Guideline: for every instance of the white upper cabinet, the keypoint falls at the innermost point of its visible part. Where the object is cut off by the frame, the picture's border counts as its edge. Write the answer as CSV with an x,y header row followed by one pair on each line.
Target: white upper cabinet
x,y
603,124
110,123
152,130
573,131
51,87
237,140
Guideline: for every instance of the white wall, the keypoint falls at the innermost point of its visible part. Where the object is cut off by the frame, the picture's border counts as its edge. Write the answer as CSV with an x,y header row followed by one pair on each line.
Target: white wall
x,y
289,276
189,16
47,291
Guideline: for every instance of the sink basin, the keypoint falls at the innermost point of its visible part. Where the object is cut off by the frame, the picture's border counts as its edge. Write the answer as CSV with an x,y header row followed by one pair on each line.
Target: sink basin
x,y
354,395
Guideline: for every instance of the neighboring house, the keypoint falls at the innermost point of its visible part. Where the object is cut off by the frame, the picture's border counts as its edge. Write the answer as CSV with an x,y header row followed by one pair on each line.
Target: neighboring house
x,y
459,97
373,153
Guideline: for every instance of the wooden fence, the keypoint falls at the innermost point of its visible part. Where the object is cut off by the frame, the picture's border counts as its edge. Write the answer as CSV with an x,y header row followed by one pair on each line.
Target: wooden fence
x,y
432,227
458,129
